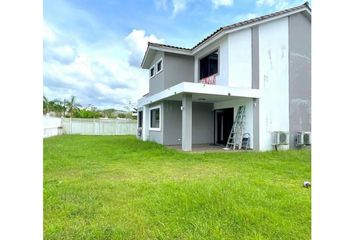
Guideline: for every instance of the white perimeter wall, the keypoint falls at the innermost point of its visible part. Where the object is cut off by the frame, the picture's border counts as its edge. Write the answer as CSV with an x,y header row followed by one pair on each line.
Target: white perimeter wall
x,y
240,59
248,102
222,76
51,126
86,126
274,80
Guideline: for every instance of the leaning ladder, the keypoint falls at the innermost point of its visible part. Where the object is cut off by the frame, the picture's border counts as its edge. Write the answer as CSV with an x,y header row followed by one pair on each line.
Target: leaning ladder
x,y
235,137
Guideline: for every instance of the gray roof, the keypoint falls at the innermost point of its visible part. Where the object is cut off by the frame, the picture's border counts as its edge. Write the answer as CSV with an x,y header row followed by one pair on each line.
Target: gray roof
x,y
235,26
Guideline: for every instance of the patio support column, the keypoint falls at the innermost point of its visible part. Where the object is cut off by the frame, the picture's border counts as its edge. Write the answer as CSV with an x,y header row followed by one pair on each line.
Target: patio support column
x,y
146,117
187,122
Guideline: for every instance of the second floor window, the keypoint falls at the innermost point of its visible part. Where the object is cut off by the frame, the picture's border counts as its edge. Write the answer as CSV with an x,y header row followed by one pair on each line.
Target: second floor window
x,y
159,66
152,71
209,65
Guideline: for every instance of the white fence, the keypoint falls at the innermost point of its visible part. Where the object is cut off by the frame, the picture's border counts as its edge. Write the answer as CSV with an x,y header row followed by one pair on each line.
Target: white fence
x,y
51,126
93,127
99,126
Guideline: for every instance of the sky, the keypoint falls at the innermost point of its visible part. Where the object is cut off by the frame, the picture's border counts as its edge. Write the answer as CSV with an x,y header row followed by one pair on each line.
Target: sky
x,y
92,49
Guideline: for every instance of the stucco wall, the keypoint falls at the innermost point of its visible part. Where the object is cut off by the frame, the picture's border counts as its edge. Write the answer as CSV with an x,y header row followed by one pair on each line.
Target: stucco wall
x,y
156,83
173,123
300,75
202,123
240,59
274,80
177,69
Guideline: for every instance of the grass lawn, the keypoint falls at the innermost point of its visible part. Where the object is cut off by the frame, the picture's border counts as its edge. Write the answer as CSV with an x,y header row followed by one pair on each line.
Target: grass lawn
x,y
116,187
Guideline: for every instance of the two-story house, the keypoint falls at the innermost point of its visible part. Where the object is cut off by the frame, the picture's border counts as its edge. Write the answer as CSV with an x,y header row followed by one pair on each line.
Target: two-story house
x,y
263,64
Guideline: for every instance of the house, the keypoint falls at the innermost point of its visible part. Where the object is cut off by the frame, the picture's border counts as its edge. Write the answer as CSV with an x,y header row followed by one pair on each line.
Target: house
x,y
263,64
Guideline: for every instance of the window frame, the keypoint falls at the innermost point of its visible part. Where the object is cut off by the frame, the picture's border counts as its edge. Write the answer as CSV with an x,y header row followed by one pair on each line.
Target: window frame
x,y
160,117
157,63
207,54
153,75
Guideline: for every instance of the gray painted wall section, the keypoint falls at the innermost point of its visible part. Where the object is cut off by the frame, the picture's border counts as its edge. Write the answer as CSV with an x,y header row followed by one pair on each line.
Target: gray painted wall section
x,y
255,85
178,68
255,57
299,75
172,132
156,83
202,123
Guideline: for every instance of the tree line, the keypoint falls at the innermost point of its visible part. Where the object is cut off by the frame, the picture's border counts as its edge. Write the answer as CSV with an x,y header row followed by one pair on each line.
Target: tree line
x,y
72,108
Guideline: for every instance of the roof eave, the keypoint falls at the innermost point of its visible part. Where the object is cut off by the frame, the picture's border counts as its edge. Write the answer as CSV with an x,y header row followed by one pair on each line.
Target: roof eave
x,y
223,32
154,47
146,54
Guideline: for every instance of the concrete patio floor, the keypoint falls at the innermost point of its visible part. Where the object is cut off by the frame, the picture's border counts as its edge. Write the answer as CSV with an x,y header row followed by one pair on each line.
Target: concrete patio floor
x,y
204,148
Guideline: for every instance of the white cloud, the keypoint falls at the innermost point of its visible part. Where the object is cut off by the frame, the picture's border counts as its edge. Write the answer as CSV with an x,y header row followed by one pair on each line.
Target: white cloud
x,y
226,3
137,42
178,6
58,48
261,3
279,4
94,76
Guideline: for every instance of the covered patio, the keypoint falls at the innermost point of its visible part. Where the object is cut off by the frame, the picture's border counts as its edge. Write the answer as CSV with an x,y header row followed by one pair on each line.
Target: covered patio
x,y
188,94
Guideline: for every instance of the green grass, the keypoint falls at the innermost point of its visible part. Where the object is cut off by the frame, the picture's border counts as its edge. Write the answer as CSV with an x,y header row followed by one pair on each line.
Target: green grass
x,y
116,187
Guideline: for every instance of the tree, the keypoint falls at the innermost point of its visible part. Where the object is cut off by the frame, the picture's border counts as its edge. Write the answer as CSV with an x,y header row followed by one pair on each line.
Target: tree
x,y
59,107
72,105
109,113
45,105
130,107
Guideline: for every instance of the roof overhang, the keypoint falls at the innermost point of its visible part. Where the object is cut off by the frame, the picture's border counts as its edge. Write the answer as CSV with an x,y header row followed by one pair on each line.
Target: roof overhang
x,y
153,47
201,92
223,33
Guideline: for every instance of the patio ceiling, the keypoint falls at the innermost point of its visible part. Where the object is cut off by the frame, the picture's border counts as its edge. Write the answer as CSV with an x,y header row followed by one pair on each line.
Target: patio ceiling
x,y
200,93
206,98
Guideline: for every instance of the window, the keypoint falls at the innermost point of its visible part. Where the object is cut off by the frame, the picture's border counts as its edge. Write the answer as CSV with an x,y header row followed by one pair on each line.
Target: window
x,y
209,65
152,71
159,66
140,119
155,118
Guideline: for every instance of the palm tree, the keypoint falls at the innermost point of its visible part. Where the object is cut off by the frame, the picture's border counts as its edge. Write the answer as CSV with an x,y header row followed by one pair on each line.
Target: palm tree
x,y
45,105
72,105
58,107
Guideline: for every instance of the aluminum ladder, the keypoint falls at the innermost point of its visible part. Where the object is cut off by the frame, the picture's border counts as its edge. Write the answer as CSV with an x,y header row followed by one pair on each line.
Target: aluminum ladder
x,y
236,134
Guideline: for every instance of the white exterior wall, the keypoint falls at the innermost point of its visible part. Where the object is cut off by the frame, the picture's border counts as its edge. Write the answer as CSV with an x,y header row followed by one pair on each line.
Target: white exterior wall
x,y
222,77
248,102
274,80
240,59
